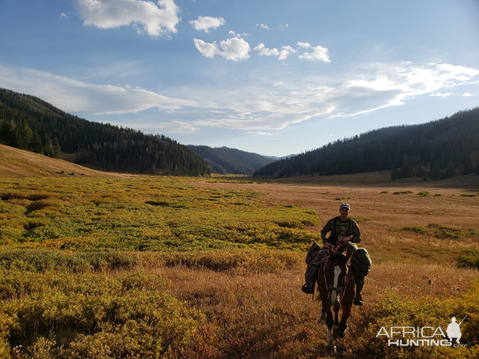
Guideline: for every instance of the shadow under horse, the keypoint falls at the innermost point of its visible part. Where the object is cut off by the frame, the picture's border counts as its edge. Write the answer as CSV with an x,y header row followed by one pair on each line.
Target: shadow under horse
x,y
337,289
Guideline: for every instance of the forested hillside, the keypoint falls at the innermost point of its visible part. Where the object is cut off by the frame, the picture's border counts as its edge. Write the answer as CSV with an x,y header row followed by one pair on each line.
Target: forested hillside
x,y
439,149
224,160
27,122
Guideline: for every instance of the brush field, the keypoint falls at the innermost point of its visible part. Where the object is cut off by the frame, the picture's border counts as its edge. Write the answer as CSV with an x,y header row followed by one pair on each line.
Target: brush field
x,y
162,267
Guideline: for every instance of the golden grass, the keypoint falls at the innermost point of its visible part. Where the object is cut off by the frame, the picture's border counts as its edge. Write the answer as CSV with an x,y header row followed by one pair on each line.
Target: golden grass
x,y
246,300
18,163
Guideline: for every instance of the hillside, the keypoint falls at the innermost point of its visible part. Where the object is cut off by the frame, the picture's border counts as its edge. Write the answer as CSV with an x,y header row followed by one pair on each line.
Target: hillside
x,y
437,150
20,163
29,123
224,160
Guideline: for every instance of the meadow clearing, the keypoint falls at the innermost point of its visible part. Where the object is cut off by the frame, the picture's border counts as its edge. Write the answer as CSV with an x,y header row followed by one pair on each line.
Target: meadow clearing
x,y
148,267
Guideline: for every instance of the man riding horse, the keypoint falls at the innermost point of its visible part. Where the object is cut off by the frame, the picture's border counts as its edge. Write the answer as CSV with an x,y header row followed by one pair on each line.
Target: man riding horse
x,y
343,229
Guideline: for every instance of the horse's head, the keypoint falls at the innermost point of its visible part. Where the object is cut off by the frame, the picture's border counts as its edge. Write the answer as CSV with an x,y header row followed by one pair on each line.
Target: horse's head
x,y
335,273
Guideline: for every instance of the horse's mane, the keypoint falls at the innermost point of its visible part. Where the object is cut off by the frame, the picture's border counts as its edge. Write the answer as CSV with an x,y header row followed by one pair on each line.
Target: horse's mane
x,y
339,257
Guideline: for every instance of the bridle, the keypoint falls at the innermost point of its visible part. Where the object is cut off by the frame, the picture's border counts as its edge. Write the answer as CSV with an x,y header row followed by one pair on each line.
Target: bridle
x,y
340,290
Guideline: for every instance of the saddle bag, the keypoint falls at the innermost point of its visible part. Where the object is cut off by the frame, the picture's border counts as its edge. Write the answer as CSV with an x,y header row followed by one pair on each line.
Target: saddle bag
x,y
361,262
312,252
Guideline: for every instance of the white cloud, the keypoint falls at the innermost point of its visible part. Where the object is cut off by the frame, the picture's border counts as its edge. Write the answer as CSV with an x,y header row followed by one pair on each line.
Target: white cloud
x,y
76,96
205,23
234,48
467,94
144,16
440,94
285,52
281,54
206,49
63,16
319,53
304,45
264,51
263,26
171,127
248,104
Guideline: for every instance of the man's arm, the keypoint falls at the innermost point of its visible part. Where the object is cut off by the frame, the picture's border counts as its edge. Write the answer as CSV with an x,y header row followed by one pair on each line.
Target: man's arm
x,y
356,236
327,228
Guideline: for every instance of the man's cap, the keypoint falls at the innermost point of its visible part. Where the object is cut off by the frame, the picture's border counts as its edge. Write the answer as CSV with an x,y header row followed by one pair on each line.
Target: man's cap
x,y
345,205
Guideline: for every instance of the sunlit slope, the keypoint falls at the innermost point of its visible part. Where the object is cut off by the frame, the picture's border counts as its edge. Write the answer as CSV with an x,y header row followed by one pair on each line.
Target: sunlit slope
x,y
19,163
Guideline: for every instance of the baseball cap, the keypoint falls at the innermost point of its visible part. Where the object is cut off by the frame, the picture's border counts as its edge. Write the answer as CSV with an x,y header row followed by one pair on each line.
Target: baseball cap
x,y
345,205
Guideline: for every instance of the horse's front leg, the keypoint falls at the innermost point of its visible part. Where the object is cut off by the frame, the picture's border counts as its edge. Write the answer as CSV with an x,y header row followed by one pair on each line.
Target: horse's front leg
x,y
330,334
346,311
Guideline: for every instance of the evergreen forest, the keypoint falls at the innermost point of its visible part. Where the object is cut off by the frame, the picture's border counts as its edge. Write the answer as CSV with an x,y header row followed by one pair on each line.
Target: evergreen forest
x,y
29,123
435,150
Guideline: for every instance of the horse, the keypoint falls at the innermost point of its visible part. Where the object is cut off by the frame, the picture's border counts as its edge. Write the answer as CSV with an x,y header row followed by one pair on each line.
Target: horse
x,y
337,288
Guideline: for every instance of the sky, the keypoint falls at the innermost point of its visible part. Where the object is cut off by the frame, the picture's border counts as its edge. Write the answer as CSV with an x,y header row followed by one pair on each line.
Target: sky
x,y
271,77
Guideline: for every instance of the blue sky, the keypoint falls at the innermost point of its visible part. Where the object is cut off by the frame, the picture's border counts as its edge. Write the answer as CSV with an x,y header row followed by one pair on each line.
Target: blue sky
x,y
271,77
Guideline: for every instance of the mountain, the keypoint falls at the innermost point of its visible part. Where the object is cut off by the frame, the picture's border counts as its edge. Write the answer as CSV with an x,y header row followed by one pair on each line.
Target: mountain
x,y
439,149
27,122
224,160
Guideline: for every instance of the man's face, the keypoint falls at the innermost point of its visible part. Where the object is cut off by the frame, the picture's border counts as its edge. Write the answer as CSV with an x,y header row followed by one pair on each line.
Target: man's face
x,y
344,213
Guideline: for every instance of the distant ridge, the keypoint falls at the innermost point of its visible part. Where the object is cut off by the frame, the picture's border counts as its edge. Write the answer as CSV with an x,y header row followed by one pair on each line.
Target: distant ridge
x,y
437,150
224,160
27,122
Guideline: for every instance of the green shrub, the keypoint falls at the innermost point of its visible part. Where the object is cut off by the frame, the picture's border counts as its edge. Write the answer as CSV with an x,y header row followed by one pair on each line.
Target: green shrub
x,y
96,316
395,310
470,258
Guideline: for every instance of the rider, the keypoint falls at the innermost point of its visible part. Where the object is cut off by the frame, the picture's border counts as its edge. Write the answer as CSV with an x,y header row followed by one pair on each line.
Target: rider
x,y
343,229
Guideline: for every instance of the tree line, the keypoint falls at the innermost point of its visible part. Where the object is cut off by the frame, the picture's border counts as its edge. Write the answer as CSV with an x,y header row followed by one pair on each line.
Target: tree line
x,y
435,150
29,123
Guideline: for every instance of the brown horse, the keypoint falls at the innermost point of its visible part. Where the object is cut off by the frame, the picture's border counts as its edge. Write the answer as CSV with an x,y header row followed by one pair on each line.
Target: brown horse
x,y
336,285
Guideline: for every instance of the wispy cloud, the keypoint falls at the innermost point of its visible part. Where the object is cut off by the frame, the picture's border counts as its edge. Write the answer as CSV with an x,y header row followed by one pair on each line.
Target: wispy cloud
x,y
205,23
144,16
263,26
318,53
82,97
266,106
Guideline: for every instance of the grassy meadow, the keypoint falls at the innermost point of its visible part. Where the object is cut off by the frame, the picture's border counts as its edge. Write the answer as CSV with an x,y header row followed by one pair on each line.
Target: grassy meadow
x,y
162,267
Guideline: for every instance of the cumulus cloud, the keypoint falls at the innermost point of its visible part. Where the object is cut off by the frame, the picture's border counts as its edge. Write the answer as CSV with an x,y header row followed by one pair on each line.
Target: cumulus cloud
x,y
205,23
319,53
234,48
145,16
280,54
264,51
285,52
